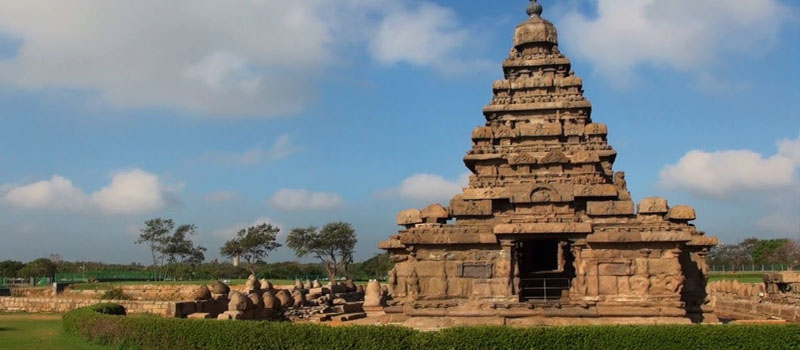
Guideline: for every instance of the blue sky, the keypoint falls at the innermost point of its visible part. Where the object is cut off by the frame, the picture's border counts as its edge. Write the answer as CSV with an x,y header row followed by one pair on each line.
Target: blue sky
x,y
301,113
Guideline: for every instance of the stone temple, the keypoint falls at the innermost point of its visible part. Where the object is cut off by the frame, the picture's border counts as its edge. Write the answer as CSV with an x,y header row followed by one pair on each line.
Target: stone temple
x,y
546,232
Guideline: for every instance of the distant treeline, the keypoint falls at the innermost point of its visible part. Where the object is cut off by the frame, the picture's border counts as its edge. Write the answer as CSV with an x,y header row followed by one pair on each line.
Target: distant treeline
x,y
754,251
375,267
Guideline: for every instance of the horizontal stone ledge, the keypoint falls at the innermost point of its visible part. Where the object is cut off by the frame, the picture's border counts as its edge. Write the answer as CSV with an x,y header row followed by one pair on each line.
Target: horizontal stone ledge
x,y
543,228
537,106
627,237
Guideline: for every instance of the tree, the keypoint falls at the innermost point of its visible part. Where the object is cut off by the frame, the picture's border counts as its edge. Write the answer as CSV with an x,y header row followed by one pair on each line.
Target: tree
x,y
377,267
9,268
333,245
155,234
252,244
41,267
788,254
178,247
764,250
733,254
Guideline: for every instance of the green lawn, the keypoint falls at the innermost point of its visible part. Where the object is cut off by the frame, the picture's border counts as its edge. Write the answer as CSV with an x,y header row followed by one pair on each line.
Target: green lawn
x,y
741,277
38,331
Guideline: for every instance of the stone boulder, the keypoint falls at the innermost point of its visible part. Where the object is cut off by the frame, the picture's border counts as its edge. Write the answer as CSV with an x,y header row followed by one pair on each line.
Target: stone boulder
x,y
298,298
350,286
252,284
256,300
202,293
285,298
238,302
270,301
265,285
220,288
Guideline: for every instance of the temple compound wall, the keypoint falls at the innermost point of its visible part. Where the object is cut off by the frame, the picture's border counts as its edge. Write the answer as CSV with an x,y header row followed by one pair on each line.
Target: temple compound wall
x,y
546,229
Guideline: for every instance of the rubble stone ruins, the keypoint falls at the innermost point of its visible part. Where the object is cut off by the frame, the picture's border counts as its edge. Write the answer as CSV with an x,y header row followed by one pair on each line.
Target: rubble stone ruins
x,y
546,232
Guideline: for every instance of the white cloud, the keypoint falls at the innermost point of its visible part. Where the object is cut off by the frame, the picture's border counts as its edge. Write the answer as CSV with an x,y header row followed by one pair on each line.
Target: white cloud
x,y
134,191
56,193
429,187
790,148
728,173
280,149
425,35
246,59
302,199
680,34
220,196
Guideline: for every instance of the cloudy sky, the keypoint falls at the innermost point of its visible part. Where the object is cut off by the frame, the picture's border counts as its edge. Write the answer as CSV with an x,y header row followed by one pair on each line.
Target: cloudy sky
x,y
225,114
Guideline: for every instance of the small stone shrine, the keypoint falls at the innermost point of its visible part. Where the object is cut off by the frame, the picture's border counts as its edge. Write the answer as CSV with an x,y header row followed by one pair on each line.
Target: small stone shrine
x,y
546,232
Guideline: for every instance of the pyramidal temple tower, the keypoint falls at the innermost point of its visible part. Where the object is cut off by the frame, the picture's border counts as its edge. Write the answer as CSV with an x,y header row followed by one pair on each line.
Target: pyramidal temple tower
x,y
546,232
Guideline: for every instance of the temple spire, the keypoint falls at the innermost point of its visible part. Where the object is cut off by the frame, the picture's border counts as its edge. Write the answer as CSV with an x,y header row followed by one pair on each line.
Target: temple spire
x,y
534,9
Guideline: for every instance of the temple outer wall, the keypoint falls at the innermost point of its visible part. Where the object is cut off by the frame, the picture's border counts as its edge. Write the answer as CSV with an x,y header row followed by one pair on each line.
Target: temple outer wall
x,y
748,301
60,305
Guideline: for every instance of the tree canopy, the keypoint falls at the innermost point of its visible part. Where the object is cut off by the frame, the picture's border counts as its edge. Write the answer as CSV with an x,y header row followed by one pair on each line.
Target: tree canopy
x,y
333,245
252,244
176,247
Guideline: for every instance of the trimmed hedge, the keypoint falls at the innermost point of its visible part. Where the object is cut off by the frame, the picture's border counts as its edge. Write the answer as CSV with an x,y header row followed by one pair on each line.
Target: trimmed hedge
x,y
104,324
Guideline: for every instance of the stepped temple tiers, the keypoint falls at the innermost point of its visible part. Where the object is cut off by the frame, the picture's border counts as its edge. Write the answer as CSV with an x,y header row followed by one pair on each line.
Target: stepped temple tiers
x,y
546,232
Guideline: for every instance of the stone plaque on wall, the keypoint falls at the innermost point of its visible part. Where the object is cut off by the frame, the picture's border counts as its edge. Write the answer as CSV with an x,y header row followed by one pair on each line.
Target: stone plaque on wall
x,y
475,270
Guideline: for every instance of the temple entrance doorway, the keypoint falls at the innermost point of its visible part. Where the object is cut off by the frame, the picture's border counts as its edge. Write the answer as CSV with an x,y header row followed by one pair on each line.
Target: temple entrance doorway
x,y
545,269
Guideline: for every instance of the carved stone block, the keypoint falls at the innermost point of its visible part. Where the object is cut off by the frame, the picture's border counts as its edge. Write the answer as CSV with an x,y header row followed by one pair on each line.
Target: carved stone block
x,y
539,129
522,158
482,132
604,190
435,213
573,129
653,205
461,207
596,129
475,270
409,217
609,208
682,212
615,269
554,157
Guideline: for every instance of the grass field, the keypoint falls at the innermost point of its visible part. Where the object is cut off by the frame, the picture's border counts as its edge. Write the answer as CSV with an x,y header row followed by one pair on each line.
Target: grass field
x,y
741,277
37,331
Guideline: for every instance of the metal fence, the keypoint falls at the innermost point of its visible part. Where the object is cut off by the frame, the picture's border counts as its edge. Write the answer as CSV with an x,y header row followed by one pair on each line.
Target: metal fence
x,y
25,282
106,276
756,268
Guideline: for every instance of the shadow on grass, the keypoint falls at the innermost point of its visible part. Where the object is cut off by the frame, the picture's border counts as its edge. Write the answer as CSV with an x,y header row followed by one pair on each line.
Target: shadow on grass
x,y
4,329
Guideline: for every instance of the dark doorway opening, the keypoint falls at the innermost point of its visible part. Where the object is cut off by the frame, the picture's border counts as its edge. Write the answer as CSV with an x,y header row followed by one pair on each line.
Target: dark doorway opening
x,y
545,269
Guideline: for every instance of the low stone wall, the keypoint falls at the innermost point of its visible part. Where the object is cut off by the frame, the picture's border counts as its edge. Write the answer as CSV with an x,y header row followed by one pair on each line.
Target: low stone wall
x,y
749,301
62,305
164,292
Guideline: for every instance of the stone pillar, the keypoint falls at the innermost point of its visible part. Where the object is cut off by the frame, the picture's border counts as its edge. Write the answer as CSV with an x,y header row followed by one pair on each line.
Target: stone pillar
x,y
373,299
508,251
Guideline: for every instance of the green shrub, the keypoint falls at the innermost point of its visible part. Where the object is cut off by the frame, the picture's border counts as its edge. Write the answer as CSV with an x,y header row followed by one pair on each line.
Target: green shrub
x,y
114,294
102,324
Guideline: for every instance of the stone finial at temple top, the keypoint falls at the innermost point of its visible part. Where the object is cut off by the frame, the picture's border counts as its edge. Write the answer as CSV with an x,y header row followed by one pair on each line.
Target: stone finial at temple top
x,y
534,9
